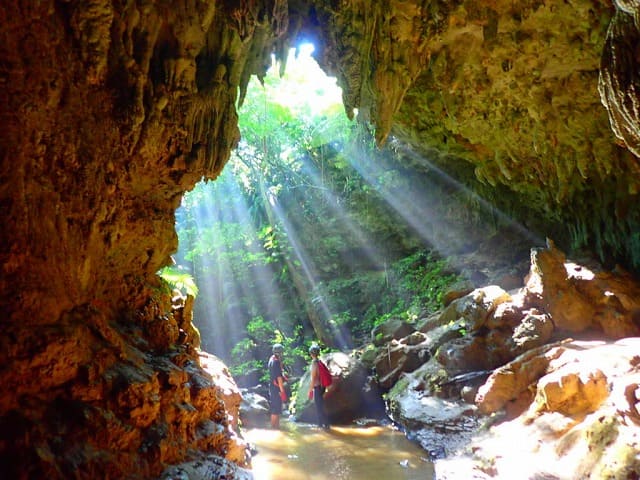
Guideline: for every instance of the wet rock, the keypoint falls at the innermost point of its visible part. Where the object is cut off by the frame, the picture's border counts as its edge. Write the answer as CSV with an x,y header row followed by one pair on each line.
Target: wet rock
x,y
466,384
440,426
401,356
205,468
254,409
392,329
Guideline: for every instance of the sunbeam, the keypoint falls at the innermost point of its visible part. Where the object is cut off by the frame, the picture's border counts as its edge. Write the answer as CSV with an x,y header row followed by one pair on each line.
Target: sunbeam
x,y
505,219
417,203
309,270
332,200
261,258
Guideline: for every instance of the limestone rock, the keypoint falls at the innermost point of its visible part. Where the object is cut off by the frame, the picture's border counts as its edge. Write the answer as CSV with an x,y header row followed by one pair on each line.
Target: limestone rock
x,y
583,423
475,306
401,356
579,298
619,81
112,110
507,383
350,396
394,328
206,468
254,410
572,390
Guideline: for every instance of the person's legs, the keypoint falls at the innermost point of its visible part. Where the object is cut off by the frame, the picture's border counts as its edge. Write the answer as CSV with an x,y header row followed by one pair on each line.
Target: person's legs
x,y
275,406
318,397
275,421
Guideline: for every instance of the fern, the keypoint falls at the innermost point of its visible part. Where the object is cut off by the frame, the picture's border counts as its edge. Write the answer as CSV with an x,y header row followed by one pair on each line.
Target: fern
x,y
178,279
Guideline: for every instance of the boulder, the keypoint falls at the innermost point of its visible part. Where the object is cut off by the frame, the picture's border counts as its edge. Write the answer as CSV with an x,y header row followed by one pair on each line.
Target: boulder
x,y
476,306
583,422
508,382
254,409
458,289
491,348
431,322
572,390
225,386
401,356
580,298
534,330
350,396
368,356
470,353
394,328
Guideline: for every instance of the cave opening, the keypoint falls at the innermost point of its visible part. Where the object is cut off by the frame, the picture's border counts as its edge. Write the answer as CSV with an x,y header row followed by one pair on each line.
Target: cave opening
x,y
112,110
310,221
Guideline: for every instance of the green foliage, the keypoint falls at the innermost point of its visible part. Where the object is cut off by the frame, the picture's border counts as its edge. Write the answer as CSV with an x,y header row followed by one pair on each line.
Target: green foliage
x,y
252,353
410,286
423,280
287,229
179,279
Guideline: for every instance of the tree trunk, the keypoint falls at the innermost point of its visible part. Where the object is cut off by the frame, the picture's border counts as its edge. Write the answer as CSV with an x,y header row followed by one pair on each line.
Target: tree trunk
x,y
323,333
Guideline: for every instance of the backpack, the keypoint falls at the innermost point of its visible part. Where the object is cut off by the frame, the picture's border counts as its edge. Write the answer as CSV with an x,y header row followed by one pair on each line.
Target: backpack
x,y
325,374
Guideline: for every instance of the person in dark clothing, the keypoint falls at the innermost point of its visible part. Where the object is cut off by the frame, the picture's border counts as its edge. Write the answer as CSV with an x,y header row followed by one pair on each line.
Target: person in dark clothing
x,y
277,393
316,390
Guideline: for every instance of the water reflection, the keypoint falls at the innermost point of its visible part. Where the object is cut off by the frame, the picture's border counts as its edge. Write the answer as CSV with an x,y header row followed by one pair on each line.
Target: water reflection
x,y
301,451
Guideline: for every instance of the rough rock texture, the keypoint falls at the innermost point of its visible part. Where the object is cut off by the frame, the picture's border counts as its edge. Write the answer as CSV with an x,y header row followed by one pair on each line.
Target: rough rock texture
x,y
580,298
398,357
620,76
509,357
582,423
512,89
112,110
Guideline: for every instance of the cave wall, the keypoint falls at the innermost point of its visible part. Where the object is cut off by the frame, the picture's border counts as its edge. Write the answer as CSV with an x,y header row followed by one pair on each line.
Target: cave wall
x,y
112,110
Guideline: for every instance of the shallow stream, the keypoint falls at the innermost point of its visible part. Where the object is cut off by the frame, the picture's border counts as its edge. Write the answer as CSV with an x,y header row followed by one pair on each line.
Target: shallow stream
x,y
304,452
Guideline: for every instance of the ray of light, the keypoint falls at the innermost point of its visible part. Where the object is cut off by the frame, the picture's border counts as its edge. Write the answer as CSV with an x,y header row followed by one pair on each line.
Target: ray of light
x,y
308,267
333,202
416,203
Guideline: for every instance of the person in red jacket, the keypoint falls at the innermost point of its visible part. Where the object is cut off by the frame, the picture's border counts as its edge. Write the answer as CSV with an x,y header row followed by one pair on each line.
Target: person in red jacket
x,y
277,393
316,390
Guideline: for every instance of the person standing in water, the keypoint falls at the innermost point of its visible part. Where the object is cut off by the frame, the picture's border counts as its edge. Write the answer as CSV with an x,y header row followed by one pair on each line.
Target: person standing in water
x,y
277,393
316,390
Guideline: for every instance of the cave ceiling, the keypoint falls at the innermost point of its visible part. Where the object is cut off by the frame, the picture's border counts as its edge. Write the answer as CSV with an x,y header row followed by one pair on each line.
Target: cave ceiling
x,y
113,110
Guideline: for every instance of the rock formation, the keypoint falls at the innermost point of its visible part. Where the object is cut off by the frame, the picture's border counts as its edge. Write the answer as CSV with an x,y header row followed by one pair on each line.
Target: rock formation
x,y
112,110
516,366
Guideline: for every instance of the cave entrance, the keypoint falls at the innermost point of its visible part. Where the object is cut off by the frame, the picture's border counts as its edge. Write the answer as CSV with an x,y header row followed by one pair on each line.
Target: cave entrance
x,y
311,232
245,240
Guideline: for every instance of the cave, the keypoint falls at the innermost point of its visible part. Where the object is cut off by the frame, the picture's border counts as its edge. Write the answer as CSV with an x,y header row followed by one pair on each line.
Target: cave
x,y
111,111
